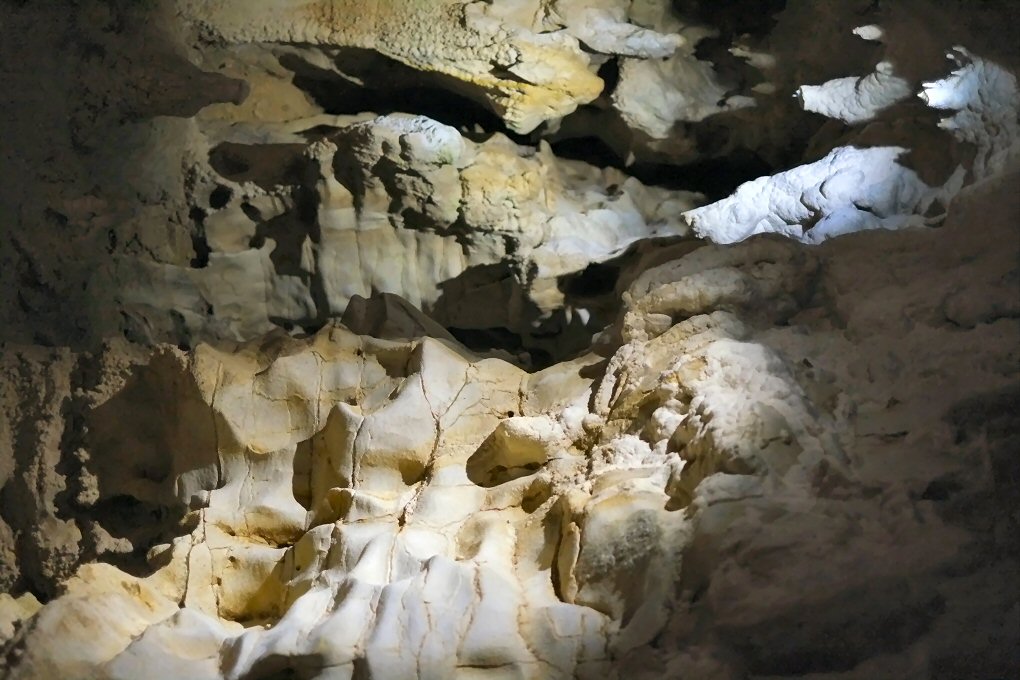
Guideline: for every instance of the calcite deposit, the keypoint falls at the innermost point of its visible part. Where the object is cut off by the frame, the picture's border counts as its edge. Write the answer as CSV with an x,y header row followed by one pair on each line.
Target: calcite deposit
x,y
509,339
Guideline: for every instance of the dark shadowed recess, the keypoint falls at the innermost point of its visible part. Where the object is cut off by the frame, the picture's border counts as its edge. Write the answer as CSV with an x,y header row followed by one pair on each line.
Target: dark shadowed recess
x,y
365,80
279,667
476,307
734,17
717,178
596,134
267,165
168,431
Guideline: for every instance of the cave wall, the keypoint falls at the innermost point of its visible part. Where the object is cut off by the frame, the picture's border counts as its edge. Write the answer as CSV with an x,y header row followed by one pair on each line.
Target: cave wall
x,y
513,339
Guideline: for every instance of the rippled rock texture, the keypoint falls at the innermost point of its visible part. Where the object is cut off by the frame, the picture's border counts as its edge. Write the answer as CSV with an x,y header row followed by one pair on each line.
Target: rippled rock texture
x,y
523,339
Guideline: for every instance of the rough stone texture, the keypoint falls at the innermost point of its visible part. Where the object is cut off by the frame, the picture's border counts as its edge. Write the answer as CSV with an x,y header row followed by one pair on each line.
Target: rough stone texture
x,y
407,206
849,190
523,58
468,515
314,365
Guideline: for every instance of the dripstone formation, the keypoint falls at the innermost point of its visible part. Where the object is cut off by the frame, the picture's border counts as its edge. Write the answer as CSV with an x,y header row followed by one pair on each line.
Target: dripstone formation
x,y
529,339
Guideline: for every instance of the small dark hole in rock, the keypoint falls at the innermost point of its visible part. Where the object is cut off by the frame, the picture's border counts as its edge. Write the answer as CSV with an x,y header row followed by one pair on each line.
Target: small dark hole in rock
x,y
220,197
596,279
202,252
252,212
940,490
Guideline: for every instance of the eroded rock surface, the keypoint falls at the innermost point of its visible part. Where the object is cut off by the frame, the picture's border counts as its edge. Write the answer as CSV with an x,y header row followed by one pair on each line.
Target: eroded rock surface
x,y
405,508
402,339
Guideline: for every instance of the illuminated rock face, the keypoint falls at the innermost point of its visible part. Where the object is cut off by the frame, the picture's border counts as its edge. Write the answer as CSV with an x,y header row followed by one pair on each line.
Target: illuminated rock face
x,y
351,391
524,59
477,234
402,509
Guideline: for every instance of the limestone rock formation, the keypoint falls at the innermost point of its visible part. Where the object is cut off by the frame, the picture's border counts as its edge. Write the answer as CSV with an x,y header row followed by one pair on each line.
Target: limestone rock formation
x,y
527,339
403,205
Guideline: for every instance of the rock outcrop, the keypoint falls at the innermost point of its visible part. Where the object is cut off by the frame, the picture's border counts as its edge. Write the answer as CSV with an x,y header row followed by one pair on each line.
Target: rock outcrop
x,y
403,339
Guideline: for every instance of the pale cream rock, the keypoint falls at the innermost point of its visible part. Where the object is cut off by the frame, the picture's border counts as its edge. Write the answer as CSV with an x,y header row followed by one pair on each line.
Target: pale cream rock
x,y
526,77
653,95
405,508
94,622
14,611
768,435
551,210
408,206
